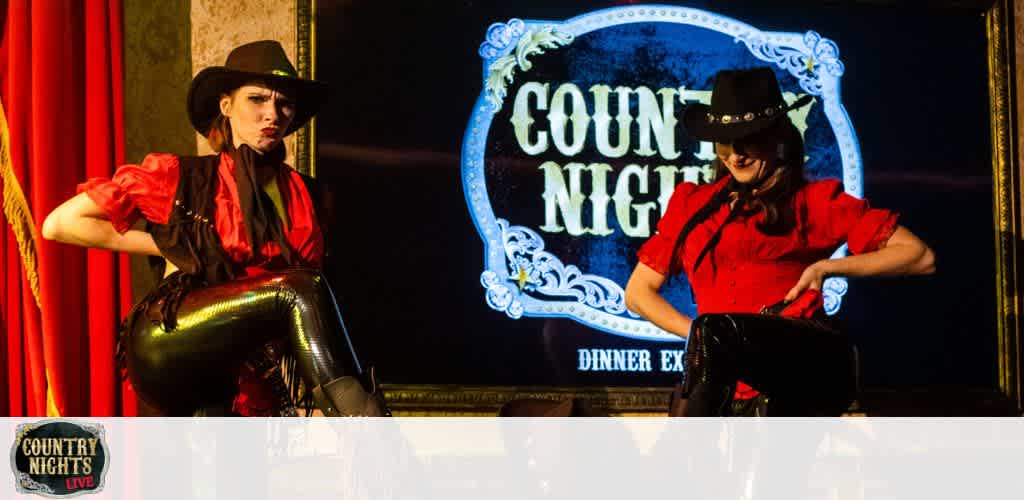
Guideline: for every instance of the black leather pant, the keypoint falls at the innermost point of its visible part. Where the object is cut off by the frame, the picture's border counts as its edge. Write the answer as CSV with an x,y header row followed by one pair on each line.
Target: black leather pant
x,y
217,327
801,367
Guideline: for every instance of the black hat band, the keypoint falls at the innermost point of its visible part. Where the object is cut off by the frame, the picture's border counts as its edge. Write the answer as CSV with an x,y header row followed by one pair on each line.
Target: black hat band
x,y
749,116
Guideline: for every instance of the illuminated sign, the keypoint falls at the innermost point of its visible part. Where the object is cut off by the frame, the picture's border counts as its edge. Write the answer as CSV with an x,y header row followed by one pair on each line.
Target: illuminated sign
x,y
629,360
574,148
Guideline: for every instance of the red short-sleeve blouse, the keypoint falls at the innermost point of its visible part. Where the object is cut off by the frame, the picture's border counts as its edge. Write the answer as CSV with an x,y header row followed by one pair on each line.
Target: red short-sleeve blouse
x,y
749,269
147,190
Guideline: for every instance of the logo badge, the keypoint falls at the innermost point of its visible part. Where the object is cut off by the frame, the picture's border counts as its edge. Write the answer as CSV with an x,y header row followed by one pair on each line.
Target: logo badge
x,y
58,458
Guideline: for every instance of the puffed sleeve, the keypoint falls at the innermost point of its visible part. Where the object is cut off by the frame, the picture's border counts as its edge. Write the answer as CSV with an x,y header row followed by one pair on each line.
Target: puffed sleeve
x,y
145,190
656,252
835,216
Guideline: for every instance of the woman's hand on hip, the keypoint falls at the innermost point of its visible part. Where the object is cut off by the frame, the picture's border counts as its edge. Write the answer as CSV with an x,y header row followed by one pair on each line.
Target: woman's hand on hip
x,y
811,279
643,297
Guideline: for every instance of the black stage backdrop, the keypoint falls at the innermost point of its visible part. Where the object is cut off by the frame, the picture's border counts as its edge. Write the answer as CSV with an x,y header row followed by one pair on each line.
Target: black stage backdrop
x,y
405,257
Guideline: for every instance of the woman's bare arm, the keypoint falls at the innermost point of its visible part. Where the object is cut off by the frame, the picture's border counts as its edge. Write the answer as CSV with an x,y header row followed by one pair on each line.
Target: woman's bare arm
x,y
902,254
643,298
80,221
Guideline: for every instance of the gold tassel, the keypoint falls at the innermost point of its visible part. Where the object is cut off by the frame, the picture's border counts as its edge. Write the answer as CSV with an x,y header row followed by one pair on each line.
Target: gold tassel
x,y
17,212
19,216
51,401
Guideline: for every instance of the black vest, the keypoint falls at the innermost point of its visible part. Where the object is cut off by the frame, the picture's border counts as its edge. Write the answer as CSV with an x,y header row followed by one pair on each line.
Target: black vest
x,y
189,239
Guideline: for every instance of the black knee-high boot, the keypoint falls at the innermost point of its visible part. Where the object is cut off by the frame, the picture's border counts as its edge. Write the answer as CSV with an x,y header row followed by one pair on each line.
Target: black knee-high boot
x,y
804,367
324,352
709,379
214,328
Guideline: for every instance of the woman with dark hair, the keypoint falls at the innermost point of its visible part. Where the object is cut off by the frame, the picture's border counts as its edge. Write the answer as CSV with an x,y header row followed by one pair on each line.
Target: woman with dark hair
x,y
238,238
758,240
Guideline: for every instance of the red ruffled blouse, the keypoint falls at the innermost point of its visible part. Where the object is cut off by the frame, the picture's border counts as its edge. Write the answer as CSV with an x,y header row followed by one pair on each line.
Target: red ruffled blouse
x,y
748,269
147,190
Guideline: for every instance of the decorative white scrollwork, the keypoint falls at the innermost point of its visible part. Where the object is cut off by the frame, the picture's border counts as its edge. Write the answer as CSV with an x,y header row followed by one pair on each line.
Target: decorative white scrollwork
x,y
500,36
501,296
832,292
531,269
29,485
501,71
805,63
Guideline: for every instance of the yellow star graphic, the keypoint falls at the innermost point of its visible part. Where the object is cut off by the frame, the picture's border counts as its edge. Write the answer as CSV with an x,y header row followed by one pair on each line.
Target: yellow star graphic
x,y
810,65
522,278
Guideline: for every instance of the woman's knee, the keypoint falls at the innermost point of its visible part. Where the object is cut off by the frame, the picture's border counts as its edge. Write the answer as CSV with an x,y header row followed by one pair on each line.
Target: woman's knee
x,y
712,331
711,344
714,324
298,285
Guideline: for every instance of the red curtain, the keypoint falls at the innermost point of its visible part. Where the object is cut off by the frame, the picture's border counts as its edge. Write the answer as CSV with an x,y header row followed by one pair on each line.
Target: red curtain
x,y
61,89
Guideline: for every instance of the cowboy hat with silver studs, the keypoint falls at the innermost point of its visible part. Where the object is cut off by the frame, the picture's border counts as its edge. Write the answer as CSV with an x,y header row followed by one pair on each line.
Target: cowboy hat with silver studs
x,y
264,61
743,102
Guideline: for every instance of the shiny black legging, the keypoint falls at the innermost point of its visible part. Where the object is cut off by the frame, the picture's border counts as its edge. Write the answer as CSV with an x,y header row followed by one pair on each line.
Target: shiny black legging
x,y
196,363
802,367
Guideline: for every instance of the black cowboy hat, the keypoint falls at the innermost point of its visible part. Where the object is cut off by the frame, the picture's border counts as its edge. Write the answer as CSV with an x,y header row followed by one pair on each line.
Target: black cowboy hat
x,y
264,60
743,102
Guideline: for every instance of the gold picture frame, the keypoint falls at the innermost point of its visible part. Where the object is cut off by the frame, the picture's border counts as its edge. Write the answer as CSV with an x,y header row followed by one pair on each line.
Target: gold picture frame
x,y
1005,396
1007,191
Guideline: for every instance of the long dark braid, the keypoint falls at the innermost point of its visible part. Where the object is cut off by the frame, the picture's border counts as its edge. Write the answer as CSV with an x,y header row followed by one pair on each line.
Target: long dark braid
x,y
704,213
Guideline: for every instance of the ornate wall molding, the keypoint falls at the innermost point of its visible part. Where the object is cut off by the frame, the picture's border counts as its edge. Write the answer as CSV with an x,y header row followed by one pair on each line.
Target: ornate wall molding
x,y
464,400
1006,196
305,29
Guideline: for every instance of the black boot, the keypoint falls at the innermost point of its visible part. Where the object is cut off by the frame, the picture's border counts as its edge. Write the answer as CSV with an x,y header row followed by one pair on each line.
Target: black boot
x,y
346,397
709,376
